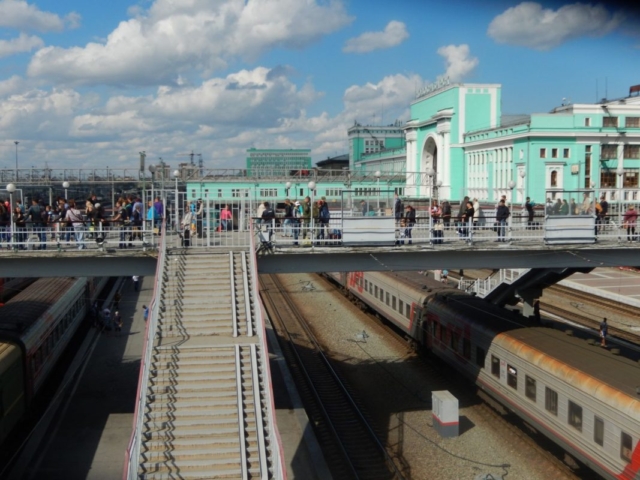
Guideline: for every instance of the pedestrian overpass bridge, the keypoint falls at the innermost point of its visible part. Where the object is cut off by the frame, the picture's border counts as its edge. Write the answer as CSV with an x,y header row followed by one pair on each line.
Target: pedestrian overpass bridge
x,y
372,244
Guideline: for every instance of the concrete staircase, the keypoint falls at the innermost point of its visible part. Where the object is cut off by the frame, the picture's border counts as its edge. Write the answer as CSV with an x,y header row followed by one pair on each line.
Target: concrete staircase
x,y
206,414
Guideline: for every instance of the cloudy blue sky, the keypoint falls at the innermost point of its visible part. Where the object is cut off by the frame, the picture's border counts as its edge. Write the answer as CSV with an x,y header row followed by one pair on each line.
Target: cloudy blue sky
x,y
90,84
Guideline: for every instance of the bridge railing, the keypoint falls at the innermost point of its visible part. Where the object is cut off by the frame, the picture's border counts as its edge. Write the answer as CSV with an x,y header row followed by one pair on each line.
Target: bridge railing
x,y
59,236
132,455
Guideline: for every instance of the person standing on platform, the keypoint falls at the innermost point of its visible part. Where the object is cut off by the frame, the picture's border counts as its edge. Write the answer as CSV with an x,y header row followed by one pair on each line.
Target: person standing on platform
x,y
602,208
398,211
226,219
446,214
528,206
502,214
145,312
117,321
268,218
604,330
136,283
629,222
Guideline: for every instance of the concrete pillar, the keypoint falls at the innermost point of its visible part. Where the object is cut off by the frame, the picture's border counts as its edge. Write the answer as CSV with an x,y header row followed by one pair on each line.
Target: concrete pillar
x,y
529,297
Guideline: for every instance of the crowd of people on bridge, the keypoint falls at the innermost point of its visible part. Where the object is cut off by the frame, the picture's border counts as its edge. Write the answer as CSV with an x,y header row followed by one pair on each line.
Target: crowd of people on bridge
x,y
69,219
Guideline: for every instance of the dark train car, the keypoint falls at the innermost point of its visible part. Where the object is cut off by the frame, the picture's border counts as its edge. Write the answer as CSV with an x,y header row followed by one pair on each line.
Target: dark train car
x,y
582,397
36,326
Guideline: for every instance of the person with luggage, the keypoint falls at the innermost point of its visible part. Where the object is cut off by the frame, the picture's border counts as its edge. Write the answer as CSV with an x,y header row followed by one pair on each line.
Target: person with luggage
x,y
409,222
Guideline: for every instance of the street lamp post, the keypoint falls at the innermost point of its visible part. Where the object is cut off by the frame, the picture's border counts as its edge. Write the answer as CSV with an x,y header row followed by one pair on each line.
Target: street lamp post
x,y
176,174
287,187
377,175
16,142
65,185
620,173
312,188
511,186
11,188
152,169
143,156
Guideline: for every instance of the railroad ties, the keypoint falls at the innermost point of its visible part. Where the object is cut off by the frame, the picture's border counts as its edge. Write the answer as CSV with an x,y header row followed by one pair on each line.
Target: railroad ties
x,y
207,414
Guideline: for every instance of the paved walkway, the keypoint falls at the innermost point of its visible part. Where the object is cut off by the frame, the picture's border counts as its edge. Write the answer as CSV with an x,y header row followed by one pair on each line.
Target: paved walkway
x,y
614,283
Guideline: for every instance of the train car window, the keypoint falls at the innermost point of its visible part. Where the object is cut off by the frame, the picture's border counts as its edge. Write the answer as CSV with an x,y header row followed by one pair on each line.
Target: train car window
x,y
530,387
381,295
407,311
626,444
371,288
466,348
454,340
400,306
376,295
575,415
512,377
366,285
495,366
598,431
551,400
1,402
440,332
480,356
393,302
387,296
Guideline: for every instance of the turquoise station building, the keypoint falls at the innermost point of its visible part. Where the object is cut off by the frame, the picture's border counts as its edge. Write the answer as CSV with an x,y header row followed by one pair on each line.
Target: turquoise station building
x,y
458,143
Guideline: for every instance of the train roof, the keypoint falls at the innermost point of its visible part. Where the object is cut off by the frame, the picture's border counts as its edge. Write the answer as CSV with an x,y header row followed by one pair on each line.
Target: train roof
x,y
515,332
23,310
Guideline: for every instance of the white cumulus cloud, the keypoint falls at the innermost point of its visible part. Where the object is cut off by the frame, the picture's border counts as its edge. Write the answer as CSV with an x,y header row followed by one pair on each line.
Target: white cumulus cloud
x,y
393,35
171,38
530,25
23,43
458,61
20,15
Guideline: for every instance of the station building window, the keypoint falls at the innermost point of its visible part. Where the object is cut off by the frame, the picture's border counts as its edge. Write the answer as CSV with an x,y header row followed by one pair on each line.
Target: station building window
x,y
512,376
543,153
632,151
530,387
610,122
632,122
480,357
554,178
630,180
495,366
587,122
608,152
551,400
565,153
598,431
626,446
554,153
608,179
575,416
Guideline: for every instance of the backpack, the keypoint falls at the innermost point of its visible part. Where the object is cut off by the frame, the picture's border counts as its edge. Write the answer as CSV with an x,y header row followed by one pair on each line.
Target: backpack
x,y
324,212
297,211
268,214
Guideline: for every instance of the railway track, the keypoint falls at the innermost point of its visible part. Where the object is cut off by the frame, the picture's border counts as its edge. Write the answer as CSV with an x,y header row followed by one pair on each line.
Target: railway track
x,y
351,446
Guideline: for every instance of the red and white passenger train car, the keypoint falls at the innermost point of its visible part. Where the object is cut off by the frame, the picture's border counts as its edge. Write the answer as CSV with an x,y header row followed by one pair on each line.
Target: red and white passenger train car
x,y
36,326
581,396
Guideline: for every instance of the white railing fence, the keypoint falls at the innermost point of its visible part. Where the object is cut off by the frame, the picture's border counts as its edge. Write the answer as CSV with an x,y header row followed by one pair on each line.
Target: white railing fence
x,y
132,457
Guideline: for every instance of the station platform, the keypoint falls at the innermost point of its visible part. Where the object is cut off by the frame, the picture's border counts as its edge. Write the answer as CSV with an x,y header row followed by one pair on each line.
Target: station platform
x,y
94,427
613,283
